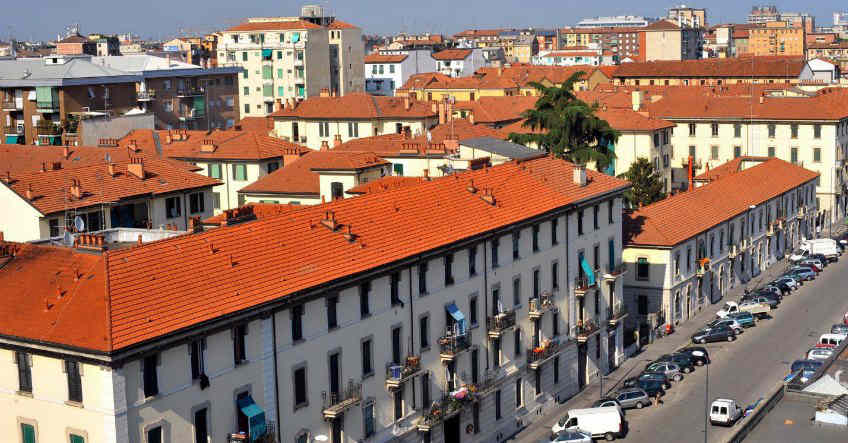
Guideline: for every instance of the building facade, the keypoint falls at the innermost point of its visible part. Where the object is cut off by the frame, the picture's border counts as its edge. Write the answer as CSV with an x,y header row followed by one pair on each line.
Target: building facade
x,y
777,38
388,70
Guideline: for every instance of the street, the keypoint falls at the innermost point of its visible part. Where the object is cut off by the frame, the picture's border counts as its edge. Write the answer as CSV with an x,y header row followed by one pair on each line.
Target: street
x,y
743,370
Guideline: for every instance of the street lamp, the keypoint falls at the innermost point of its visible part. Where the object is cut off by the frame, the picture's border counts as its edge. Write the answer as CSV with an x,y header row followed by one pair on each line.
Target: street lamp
x,y
706,402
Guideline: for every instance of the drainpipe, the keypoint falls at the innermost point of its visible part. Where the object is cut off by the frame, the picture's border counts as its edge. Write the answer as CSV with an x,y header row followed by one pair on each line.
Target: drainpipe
x,y
485,293
276,375
412,329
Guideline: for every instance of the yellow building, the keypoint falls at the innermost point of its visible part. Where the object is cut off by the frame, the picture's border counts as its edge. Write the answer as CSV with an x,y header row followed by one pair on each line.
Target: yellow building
x,y
777,38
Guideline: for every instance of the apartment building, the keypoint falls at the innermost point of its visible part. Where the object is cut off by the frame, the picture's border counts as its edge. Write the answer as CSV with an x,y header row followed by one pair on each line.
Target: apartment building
x,y
624,43
138,193
808,129
571,56
478,38
293,58
716,71
459,62
777,38
836,51
76,44
451,337
687,251
326,121
618,21
665,40
387,70
687,16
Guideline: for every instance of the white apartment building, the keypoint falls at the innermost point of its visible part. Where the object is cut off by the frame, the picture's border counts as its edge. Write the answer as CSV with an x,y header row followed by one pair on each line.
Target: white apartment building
x,y
688,250
459,62
367,333
388,70
292,58
618,21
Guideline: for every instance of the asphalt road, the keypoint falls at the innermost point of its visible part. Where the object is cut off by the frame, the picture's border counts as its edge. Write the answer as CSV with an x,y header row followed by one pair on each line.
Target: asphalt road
x,y
743,370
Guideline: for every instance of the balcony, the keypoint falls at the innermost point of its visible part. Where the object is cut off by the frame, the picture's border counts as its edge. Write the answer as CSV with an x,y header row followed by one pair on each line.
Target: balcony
x,y
734,251
397,375
145,96
12,105
449,406
586,330
47,106
336,404
547,350
497,324
616,272
452,344
616,314
538,306
490,380
190,92
582,286
703,267
191,114
770,229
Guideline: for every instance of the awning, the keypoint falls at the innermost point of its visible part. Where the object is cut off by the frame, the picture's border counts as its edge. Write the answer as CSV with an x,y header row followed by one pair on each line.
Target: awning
x,y
12,139
590,275
457,315
267,52
255,417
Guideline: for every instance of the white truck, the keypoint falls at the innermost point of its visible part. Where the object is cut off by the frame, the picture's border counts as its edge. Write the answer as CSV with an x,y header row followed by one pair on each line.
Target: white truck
x,y
725,412
756,309
823,246
605,422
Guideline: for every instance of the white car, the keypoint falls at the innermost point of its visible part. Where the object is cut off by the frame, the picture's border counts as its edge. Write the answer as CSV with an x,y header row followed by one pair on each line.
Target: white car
x,y
572,437
724,411
819,354
791,282
729,322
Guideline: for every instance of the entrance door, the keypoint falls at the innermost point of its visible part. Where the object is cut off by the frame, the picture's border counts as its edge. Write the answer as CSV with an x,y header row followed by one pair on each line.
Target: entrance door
x,y
611,352
452,430
336,429
582,357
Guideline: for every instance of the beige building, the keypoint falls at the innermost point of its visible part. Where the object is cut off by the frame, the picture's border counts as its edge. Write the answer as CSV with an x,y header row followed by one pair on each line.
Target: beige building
x,y
293,58
777,38
687,16
445,338
714,71
683,257
665,40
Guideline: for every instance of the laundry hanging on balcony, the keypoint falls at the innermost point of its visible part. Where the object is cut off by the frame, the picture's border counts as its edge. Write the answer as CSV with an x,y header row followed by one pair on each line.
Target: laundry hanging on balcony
x,y
458,316
267,53
590,275
255,417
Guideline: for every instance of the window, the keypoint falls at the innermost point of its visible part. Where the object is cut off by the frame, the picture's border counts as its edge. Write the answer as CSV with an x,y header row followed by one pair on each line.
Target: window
x,y
689,259
472,261
472,308
239,344
173,208
244,57
24,372
197,353
692,152
794,155
516,293
556,370
816,130
536,283
74,438
737,130
714,129
817,155
240,172
498,415
154,435
215,170
517,339
516,243
691,129
714,152
333,312
352,129
555,275
300,387
425,388
519,397
793,129
272,166
535,231
201,428
677,263
394,289
150,378
580,222
323,129
495,245
771,151
449,270
368,420
398,169
496,351
246,90
554,227
772,130
364,302
737,151
297,323
246,108
422,277
336,190
367,359
424,331
54,227
195,202
538,382
596,217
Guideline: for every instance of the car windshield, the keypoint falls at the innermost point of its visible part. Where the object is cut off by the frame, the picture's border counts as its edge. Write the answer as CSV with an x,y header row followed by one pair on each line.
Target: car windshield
x,y
807,365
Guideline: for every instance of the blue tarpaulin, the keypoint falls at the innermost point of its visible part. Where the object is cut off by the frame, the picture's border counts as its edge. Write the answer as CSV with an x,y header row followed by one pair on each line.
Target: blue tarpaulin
x,y
590,275
11,139
458,316
255,417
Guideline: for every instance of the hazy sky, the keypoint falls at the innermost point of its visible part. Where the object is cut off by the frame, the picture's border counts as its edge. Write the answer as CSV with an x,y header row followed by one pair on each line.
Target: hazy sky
x,y
162,18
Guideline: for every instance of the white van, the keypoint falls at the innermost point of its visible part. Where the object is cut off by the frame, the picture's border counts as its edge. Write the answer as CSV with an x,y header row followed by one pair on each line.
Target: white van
x,y
605,422
824,246
831,339
724,411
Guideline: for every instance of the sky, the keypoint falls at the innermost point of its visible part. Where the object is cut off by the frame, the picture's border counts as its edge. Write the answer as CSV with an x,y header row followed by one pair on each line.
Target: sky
x,y
166,18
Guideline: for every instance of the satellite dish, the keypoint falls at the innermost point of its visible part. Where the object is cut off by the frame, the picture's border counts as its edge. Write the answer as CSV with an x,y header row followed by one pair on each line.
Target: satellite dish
x,y
79,225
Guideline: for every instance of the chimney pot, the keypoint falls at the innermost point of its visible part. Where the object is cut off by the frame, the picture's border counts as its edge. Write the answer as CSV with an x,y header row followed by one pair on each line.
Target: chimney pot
x,y
325,146
111,168
66,152
325,92
580,175
139,240
337,140
29,192
406,103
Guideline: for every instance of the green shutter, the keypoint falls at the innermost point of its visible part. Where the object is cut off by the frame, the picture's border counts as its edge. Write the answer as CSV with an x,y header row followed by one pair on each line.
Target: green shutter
x,y
77,439
267,72
27,433
267,53
44,97
281,91
199,106
268,90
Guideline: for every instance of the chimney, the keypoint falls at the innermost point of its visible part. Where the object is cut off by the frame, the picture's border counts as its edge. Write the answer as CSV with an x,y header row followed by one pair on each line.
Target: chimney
x,y
208,145
168,138
111,168
337,141
580,175
406,104
762,99
75,189
636,99
325,92
136,167
66,152
289,104
29,194
442,110
471,118
500,71
43,166
448,112
451,144
325,146
133,146
278,105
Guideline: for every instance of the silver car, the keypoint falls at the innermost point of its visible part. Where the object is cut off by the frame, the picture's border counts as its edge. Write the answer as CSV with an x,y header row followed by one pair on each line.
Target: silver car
x,y
572,437
671,370
633,398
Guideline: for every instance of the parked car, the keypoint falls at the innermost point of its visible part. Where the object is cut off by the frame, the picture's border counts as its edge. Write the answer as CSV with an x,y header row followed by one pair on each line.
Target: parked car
x,y
656,376
686,363
652,387
598,422
805,274
727,321
670,369
760,299
724,412
650,384
839,329
698,354
633,398
746,319
831,339
813,263
733,307
576,436
819,353
789,281
810,365
783,288
807,267
822,258
720,333
605,402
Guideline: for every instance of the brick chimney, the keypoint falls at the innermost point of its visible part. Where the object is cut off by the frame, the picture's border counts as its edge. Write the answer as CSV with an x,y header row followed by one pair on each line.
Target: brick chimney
x,y
325,92
136,167
337,141
442,111
29,193
76,189
580,175
111,168
208,145
636,99
66,152
325,146
406,103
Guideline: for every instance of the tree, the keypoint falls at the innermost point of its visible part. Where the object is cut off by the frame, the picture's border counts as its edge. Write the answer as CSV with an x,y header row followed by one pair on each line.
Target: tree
x,y
647,185
568,126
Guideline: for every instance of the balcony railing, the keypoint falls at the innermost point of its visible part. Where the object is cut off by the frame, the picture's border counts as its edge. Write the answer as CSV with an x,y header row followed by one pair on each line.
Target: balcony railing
x,y
334,404
13,130
396,375
496,324
616,314
582,285
734,251
190,92
544,352
12,105
145,96
616,272
448,406
47,106
191,114
540,305
586,330
491,378
452,344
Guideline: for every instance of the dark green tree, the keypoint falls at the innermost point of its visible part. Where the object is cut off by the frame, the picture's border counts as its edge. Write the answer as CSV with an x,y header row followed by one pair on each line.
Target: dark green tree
x,y
647,184
568,126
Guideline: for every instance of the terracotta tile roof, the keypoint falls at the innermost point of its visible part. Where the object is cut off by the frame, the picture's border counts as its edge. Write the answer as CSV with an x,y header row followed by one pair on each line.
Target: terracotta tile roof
x,y
418,81
607,70
452,54
228,145
395,145
479,33
741,34
273,26
300,177
74,39
357,105
258,124
661,25
573,54
835,45
380,58
682,216
629,120
498,109
17,159
50,189
523,74
338,24
386,183
776,67
260,210
727,168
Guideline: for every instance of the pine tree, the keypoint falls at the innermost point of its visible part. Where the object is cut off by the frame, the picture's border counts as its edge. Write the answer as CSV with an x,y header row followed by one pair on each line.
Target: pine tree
x,y
647,185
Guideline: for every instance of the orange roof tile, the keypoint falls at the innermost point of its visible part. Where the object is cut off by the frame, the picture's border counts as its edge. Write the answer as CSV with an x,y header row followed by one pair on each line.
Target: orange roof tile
x,y
338,24
273,26
357,105
661,25
524,74
258,124
479,33
452,54
727,168
682,216
387,58
259,210
300,177
16,159
228,145
392,145
491,109
742,67
50,189
386,183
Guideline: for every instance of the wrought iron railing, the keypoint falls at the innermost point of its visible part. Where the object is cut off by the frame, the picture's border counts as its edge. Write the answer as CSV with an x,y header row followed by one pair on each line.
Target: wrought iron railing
x,y
453,343
500,322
